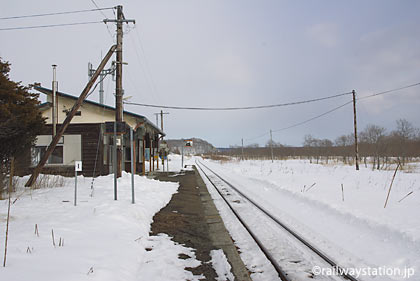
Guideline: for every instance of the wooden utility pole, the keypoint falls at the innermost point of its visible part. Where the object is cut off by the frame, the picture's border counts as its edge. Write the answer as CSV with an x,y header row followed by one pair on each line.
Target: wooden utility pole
x,y
118,85
161,113
69,117
356,145
271,145
161,119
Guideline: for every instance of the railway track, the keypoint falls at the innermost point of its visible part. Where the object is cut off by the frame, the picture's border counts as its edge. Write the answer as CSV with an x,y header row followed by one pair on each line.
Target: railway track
x,y
281,270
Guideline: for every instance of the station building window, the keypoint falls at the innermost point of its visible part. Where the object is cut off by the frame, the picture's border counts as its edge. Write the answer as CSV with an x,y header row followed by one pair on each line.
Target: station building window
x,y
56,157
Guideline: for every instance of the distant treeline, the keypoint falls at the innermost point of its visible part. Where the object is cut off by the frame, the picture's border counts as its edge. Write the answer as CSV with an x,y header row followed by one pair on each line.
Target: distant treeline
x,y
375,144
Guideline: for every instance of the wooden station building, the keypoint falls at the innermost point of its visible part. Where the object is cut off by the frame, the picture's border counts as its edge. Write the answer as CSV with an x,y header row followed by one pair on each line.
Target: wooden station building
x,y
89,138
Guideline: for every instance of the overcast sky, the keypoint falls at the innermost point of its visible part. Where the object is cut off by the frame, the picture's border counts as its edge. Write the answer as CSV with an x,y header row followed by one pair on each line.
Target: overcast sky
x,y
233,53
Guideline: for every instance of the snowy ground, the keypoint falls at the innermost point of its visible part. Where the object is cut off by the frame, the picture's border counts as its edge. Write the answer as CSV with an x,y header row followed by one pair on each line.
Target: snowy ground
x,y
357,232
103,239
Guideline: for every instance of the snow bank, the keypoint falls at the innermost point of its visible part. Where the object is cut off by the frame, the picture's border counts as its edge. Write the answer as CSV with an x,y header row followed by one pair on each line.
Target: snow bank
x,y
103,239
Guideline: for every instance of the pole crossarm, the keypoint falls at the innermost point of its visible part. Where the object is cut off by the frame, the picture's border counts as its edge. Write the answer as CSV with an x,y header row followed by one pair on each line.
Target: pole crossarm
x,y
69,117
119,21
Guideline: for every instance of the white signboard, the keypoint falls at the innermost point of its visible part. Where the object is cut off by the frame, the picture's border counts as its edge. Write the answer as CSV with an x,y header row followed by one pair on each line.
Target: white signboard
x,y
78,166
188,143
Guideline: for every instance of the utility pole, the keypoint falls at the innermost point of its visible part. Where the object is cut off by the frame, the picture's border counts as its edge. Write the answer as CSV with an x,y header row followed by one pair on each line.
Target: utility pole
x,y
161,113
54,102
271,145
356,145
161,119
118,85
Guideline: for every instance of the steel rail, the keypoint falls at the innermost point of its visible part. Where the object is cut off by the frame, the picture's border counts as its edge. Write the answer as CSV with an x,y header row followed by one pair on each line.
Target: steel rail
x,y
292,232
279,270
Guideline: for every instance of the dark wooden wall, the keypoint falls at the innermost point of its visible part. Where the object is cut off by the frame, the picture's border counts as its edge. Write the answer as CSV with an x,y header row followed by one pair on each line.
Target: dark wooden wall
x,y
91,134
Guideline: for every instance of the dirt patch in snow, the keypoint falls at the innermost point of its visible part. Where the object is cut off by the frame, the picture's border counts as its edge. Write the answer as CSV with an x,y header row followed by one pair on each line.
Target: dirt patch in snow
x,y
183,219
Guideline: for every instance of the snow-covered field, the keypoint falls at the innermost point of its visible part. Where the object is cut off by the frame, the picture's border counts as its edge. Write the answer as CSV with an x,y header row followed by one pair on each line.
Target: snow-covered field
x,y
102,239
106,239
357,231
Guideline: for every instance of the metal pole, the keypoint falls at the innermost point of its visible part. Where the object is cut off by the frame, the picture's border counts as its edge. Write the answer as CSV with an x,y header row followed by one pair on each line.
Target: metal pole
x,y
182,159
356,145
118,84
101,88
132,165
271,146
143,164
114,162
54,101
12,169
75,186
243,149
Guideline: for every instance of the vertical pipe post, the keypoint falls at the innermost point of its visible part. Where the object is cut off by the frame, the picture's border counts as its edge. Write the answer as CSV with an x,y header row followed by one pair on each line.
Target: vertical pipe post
x,y
132,165
143,164
12,167
75,186
118,84
115,160
243,149
101,88
271,146
356,145
182,158
54,101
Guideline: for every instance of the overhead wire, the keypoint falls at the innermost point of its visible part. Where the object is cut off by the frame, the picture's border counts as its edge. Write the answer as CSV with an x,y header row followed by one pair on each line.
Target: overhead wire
x,y
142,66
389,91
55,13
257,137
240,108
100,10
49,25
147,63
338,107
313,118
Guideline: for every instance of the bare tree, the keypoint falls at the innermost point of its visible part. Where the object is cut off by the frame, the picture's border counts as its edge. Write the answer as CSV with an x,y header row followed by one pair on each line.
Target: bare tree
x,y
404,133
374,136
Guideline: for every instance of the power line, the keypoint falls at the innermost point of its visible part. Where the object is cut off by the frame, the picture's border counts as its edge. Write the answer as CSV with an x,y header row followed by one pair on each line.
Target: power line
x,y
239,108
302,122
50,25
338,107
389,91
313,118
146,63
100,10
257,137
143,68
56,13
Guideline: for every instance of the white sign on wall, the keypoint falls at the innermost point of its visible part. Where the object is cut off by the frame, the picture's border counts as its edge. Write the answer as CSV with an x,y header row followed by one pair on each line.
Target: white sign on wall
x,y
78,166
